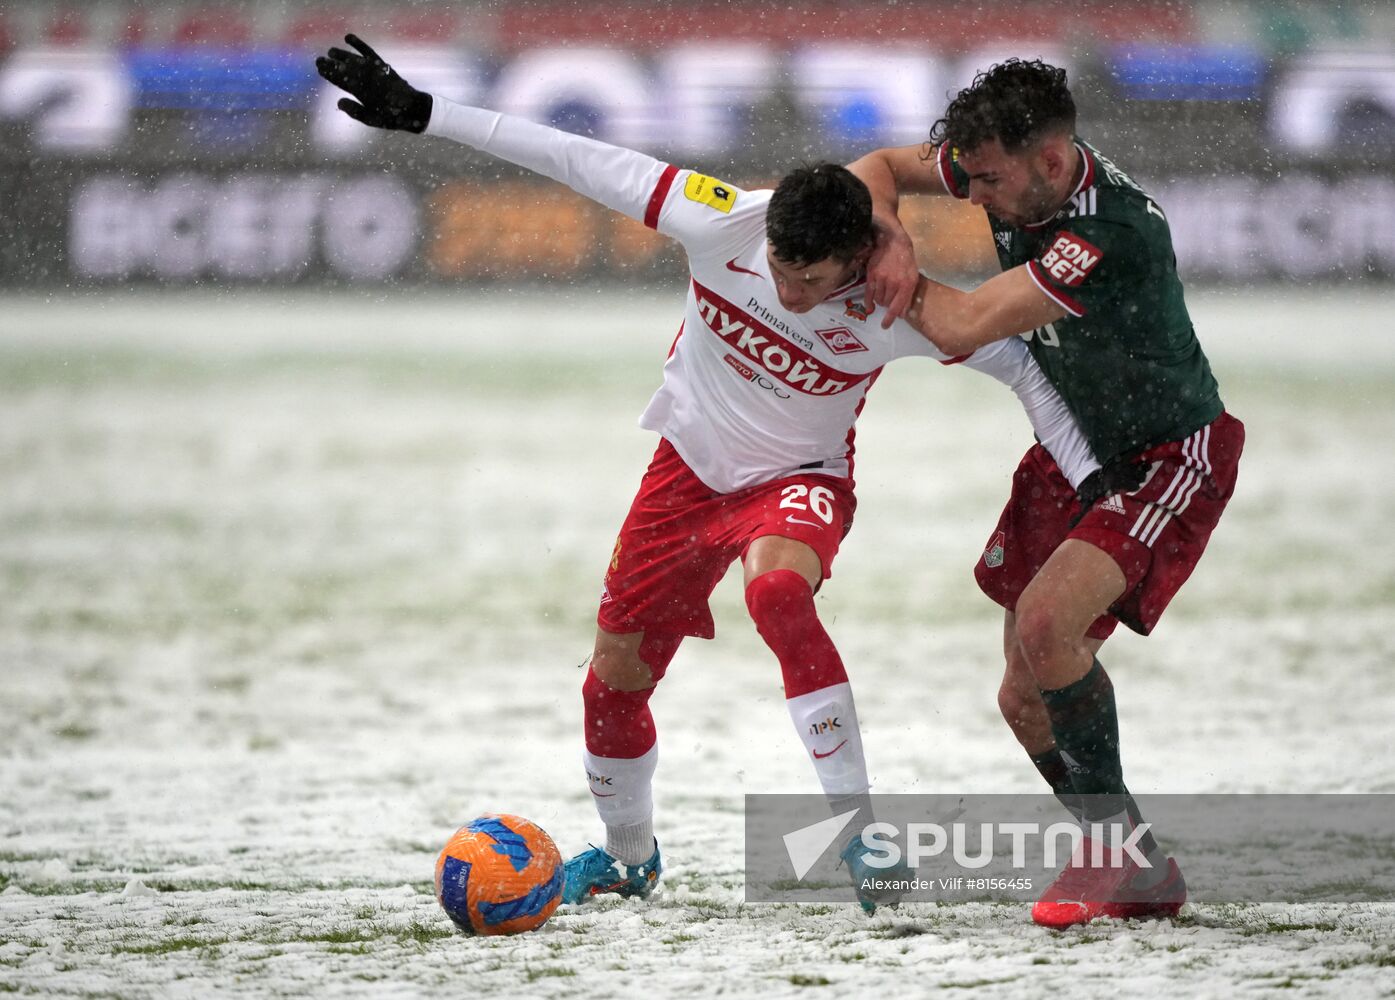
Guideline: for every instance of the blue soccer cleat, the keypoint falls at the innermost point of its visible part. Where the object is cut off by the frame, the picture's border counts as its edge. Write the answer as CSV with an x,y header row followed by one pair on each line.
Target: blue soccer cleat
x,y
594,872
898,878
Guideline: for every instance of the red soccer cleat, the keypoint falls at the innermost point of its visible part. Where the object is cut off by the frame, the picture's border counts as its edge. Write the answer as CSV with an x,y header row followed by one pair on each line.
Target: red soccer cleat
x,y
1083,890
1152,903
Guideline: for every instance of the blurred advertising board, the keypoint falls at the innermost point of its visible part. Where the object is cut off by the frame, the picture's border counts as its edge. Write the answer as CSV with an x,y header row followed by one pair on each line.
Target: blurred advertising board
x,y
256,226
185,143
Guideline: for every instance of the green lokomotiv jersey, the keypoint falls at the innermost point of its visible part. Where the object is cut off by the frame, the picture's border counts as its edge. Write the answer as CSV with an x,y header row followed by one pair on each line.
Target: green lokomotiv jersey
x,y
1126,358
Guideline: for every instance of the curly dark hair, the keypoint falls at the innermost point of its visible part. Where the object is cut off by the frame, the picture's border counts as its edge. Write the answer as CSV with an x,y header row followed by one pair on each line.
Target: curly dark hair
x,y
1015,102
819,211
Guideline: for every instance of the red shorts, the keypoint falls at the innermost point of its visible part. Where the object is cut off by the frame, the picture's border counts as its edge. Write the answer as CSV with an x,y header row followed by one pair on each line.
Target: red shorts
x,y
1156,533
680,537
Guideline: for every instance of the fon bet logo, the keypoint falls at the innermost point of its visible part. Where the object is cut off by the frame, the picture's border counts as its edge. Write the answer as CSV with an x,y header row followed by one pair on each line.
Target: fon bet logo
x,y
1070,259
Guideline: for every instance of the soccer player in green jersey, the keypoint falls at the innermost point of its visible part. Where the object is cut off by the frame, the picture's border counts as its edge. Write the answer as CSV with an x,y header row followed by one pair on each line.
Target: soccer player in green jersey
x,y
1089,279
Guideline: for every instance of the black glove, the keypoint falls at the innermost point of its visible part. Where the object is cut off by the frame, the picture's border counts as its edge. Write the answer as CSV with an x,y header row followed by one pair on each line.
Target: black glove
x,y
1122,475
385,100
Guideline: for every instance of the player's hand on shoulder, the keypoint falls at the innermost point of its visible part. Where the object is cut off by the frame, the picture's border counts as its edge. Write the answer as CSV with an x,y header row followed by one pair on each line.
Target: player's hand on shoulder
x,y
382,98
892,272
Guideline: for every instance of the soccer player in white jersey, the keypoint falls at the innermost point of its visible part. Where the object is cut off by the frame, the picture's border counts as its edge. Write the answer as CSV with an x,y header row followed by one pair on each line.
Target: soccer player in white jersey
x,y
755,459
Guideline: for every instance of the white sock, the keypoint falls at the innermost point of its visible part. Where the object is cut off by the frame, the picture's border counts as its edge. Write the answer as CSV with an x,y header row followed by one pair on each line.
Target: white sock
x,y
623,789
826,721
632,845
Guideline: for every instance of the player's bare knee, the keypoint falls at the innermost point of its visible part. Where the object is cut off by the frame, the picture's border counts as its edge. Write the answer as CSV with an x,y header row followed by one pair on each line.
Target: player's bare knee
x,y
617,664
1041,637
1009,702
772,553
1020,707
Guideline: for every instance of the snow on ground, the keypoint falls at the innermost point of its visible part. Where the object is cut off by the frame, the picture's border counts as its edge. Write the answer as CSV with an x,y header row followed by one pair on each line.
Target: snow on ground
x,y
292,586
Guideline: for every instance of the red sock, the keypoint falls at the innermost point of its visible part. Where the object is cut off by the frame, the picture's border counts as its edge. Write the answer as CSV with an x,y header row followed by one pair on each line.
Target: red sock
x,y
782,605
619,723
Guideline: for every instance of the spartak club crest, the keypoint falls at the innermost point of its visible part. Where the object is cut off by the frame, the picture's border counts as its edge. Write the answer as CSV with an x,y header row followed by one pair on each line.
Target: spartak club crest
x,y
841,340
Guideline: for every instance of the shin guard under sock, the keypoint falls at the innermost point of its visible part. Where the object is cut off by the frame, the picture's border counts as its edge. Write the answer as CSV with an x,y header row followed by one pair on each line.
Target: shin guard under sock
x,y
622,754
1085,725
817,692
781,603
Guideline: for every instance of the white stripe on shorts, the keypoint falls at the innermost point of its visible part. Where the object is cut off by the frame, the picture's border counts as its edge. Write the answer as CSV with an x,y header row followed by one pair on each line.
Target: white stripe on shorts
x,y
1196,466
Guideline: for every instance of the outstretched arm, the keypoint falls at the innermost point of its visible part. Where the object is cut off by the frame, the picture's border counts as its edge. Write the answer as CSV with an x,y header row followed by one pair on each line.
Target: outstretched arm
x,y
622,179
892,270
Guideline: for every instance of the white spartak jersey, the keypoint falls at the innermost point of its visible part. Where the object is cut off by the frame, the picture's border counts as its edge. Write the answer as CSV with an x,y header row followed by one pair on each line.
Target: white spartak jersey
x,y
751,391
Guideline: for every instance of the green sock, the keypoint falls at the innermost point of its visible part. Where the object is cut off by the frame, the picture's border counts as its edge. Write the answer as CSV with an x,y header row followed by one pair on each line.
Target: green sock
x,y
1085,725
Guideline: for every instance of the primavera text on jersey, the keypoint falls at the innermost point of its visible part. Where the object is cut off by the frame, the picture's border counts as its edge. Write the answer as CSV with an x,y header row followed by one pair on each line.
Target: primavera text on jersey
x,y
1126,358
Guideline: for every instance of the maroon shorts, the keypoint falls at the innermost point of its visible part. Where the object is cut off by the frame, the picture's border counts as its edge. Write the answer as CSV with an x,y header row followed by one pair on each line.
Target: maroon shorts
x,y
680,537
1156,533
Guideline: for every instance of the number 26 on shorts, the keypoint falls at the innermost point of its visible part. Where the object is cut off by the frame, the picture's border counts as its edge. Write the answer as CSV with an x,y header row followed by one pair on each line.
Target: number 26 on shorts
x,y
818,501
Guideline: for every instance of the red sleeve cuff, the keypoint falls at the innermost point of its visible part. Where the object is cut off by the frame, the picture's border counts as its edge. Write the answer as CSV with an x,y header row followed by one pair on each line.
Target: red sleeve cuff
x,y
1054,294
660,195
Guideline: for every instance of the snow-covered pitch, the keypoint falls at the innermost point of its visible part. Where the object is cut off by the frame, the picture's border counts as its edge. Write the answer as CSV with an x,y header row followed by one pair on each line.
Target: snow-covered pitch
x,y
292,586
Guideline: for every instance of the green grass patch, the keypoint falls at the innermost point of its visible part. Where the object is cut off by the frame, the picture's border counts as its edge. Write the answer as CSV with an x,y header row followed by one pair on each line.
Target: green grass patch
x,y
168,946
532,973
75,731
1286,926
896,931
423,933
343,935
70,887
1380,959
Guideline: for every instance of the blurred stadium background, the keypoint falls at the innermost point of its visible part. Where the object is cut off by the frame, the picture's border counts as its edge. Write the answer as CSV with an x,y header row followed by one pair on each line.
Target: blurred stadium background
x,y
298,548
184,143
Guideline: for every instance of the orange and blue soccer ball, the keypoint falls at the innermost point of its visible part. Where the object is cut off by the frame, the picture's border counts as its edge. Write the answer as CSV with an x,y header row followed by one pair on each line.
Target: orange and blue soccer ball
x,y
499,875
